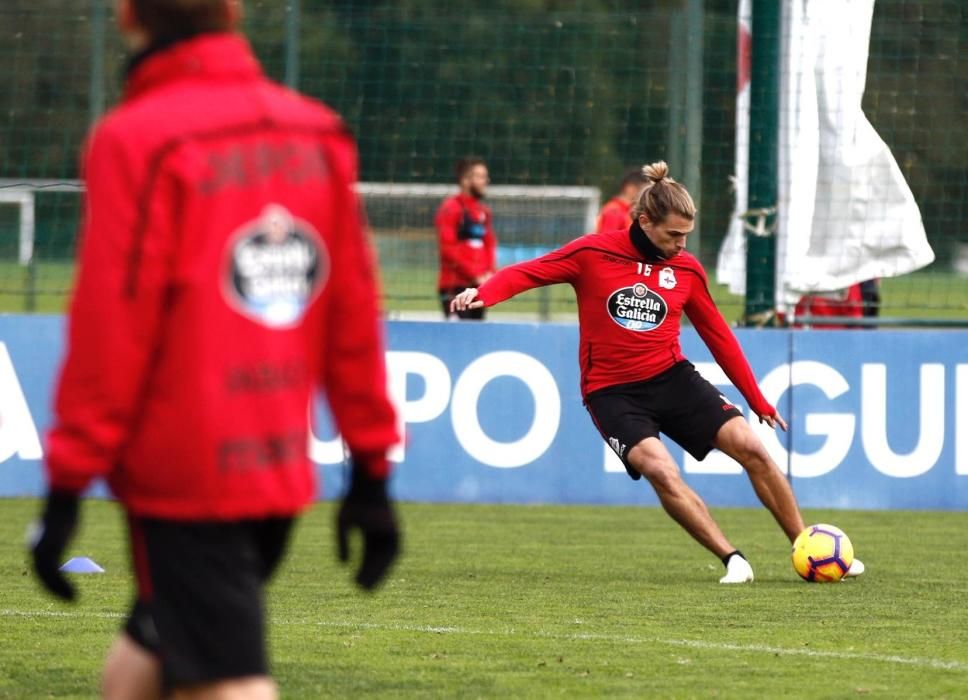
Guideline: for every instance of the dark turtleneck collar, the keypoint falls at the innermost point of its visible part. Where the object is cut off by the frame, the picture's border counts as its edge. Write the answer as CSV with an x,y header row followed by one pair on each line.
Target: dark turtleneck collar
x,y
641,241
156,46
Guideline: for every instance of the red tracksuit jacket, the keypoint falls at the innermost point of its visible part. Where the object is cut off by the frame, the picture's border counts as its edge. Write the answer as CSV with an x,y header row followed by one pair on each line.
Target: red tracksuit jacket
x,y
466,239
614,215
224,276
630,303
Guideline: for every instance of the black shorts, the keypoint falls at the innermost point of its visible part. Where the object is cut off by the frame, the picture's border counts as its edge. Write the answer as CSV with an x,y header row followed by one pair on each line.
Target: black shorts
x,y
447,296
200,604
678,402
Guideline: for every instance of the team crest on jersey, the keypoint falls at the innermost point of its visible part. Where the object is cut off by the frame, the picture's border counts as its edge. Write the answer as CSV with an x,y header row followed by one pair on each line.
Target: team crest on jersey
x,y
276,266
667,278
637,308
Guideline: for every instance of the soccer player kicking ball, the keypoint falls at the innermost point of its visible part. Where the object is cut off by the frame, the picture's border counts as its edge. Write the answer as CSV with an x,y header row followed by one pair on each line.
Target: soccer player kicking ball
x,y
224,277
633,287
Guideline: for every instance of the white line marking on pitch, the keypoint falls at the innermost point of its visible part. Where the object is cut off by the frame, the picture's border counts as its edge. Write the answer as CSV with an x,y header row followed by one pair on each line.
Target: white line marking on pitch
x,y
692,643
62,613
510,632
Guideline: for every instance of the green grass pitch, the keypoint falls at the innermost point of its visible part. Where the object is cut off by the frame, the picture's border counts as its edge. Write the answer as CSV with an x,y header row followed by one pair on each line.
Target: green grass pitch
x,y
549,601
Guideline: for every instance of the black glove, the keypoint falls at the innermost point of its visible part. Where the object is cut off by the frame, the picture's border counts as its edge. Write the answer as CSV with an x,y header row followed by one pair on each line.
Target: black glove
x,y
366,506
52,534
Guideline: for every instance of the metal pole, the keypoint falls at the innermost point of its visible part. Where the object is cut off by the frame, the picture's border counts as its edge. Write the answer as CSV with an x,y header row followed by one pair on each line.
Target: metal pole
x,y
592,207
544,304
27,228
30,284
764,117
675,149
28,218
98,28
292,43
692,171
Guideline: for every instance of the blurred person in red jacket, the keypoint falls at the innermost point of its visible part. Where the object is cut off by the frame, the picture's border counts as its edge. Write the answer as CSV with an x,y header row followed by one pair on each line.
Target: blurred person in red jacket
x,y
843,304
224,278
861,300
465,237
616,214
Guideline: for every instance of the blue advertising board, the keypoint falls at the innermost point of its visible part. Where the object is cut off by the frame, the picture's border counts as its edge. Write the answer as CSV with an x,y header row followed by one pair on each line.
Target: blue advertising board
x,y
492,413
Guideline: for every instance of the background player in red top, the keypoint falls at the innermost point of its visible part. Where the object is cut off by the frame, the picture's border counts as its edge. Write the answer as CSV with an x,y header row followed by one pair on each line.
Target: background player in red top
x,y
633,285
224,277
466,238
616,212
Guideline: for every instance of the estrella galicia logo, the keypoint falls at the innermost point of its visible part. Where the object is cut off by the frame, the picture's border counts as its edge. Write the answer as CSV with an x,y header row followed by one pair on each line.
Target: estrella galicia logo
x,y
637,308
277,265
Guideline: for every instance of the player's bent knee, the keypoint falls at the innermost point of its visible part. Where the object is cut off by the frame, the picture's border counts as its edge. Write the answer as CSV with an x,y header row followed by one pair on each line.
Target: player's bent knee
x,y
665,479
744,450
663,474
742,445
253,688
754,455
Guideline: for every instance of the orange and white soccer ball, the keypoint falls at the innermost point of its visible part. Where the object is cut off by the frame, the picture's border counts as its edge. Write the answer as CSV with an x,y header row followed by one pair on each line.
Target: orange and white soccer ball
x,y
822,553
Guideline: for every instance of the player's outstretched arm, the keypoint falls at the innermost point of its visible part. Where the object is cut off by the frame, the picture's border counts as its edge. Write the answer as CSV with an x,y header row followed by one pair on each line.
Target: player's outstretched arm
x,y
773,420
719,338
556,267
466,300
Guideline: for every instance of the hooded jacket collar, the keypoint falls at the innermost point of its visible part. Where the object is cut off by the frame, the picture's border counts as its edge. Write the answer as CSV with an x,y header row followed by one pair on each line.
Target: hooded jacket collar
x,y
211,55
641,241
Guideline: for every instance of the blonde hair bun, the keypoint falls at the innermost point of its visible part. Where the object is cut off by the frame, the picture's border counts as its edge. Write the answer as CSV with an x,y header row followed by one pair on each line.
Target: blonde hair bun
x,y
656,171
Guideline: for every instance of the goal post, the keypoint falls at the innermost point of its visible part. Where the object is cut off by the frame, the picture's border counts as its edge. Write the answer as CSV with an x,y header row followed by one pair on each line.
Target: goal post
x,y
528,221
23,193
25,222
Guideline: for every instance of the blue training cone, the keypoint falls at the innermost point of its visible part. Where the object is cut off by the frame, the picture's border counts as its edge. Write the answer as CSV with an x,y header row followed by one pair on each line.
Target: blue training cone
x,y
81,565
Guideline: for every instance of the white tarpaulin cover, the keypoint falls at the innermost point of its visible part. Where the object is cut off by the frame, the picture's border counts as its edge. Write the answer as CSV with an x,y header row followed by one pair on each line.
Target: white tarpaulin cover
x,y
845,213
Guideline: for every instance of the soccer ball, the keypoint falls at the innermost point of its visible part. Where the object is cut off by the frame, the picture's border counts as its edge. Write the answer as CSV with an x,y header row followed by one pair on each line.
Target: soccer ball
x,y
822,553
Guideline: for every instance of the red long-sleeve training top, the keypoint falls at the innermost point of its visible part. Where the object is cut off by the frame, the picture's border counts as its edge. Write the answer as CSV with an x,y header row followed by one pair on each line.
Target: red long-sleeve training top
x,y
224,276
630,303
468,248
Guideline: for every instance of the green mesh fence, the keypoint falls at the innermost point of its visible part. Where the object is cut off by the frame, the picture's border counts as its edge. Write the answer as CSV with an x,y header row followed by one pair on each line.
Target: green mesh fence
x,y
559,97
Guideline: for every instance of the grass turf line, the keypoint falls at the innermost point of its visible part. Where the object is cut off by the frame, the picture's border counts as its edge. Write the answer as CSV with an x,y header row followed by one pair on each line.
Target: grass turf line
x,y
543,601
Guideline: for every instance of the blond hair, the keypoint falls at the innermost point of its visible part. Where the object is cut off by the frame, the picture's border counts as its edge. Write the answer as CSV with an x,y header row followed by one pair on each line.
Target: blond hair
x,y
662,196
